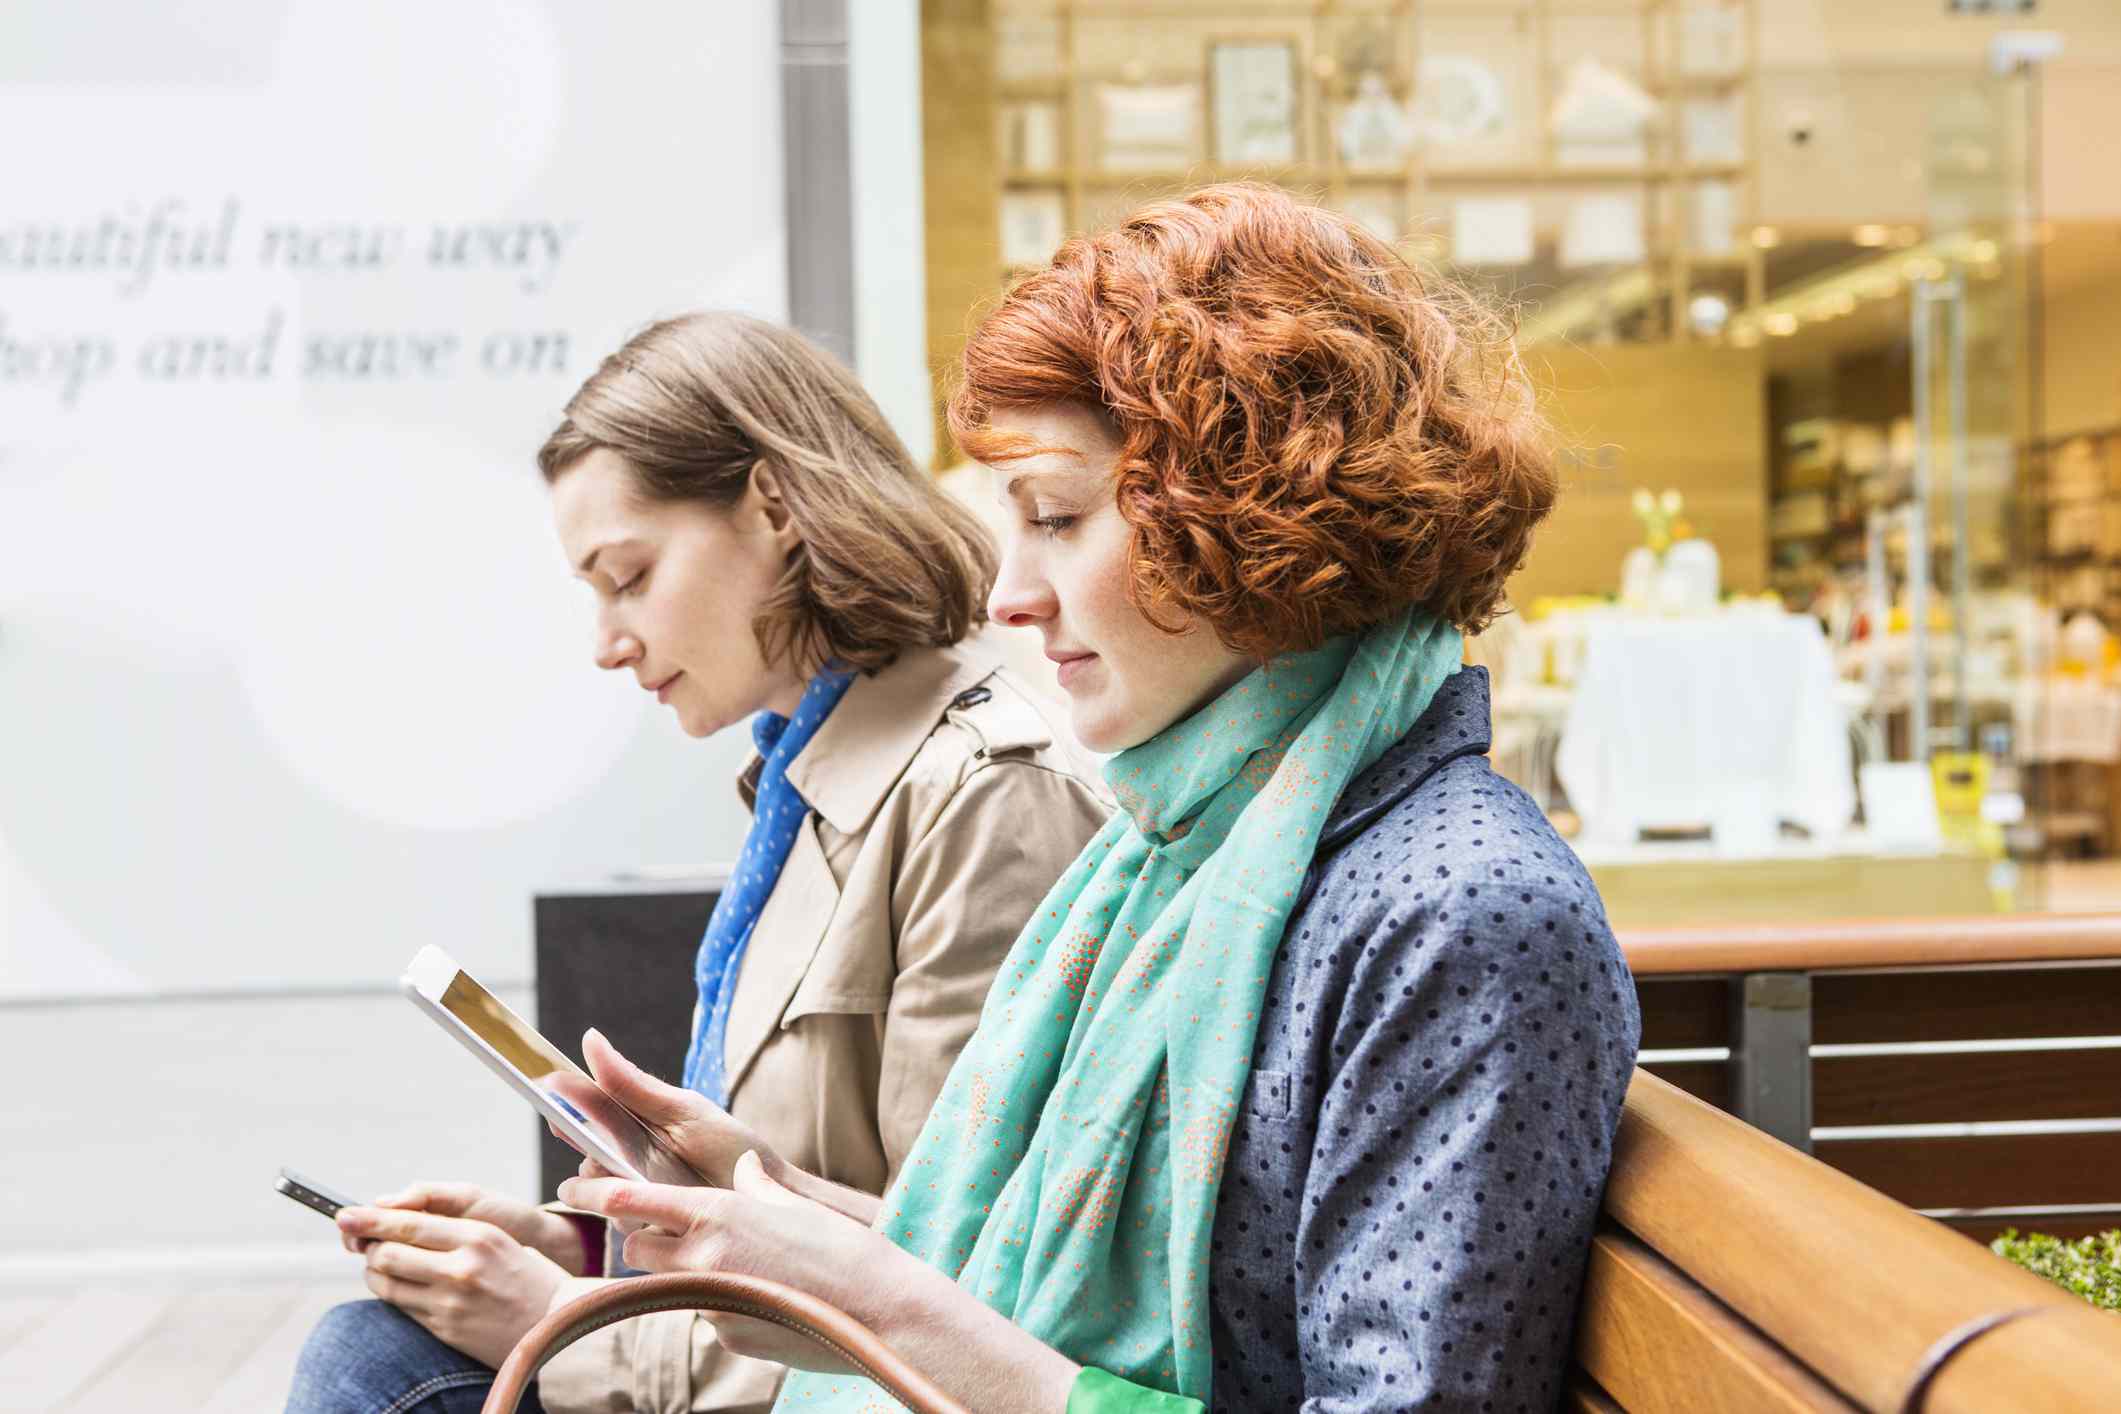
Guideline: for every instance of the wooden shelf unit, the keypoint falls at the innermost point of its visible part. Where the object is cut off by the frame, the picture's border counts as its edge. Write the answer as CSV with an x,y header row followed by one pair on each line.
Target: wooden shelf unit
x,y
1420,188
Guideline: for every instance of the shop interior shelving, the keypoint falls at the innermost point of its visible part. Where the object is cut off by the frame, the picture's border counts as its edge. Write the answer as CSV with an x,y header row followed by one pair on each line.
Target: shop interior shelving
x,y
1058,54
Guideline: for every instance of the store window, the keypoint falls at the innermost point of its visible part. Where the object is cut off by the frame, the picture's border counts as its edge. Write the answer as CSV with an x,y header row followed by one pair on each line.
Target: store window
x,y
1823,624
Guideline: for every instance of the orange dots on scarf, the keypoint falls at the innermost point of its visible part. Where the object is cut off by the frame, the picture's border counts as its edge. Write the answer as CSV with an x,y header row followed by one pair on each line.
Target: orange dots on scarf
x,y
1078,959
1203,1146
1083,1199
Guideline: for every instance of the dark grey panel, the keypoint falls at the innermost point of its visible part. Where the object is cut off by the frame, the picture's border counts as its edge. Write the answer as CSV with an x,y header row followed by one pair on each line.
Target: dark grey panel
x,y
621,962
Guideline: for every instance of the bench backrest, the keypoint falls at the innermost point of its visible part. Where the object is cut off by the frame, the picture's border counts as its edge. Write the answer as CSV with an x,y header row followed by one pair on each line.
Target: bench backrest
x,y
1733,1272
1943,1023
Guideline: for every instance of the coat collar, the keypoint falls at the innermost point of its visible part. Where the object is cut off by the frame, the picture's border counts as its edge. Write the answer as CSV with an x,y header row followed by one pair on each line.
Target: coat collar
x,y
845,771
1456,724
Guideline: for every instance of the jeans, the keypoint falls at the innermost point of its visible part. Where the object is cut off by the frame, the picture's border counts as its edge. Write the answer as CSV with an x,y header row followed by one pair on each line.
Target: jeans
x,y
368,1357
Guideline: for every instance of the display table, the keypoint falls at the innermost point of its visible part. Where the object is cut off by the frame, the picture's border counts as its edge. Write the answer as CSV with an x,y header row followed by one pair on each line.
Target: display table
x,y
1664,884
1730,720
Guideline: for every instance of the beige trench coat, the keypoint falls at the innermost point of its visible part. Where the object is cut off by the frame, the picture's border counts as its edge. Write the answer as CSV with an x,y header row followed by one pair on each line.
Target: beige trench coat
x,y
946,800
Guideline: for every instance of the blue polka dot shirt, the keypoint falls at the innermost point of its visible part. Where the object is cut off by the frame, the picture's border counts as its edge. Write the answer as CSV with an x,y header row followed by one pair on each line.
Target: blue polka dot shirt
x,y
1416,1171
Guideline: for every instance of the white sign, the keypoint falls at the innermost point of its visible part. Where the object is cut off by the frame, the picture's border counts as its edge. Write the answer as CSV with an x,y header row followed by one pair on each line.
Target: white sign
x,y
292,676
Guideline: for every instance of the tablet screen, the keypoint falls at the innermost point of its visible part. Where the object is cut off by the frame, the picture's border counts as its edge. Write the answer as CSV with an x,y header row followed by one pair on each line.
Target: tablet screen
x,y
541,1064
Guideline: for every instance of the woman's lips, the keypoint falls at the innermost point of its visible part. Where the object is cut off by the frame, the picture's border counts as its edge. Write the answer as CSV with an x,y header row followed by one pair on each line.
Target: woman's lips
x,y
662,694
1068,669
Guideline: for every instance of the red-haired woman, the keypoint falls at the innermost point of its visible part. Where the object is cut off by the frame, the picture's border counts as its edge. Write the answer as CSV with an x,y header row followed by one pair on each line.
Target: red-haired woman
x,y
1299,1088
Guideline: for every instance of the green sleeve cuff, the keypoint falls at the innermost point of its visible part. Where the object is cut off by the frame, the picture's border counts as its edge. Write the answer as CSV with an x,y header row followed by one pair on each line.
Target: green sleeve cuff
x,y
1100,1392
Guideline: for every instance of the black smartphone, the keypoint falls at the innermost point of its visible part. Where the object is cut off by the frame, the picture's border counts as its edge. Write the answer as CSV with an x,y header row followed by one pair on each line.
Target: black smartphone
x,y
312,1194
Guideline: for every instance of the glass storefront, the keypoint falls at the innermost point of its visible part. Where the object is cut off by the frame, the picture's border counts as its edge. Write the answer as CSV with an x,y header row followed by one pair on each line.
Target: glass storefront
x,y
1820,627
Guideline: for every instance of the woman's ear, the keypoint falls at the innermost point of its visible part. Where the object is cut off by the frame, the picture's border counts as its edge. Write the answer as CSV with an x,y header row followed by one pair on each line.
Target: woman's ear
x,y
766,487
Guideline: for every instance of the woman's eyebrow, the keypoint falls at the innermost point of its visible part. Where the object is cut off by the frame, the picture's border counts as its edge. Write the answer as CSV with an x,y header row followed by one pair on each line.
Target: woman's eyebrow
x,y
589,561
1016,482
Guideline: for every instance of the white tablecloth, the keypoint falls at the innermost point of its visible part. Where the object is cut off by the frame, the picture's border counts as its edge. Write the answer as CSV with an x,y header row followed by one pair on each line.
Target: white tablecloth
x,y
2068,719
1729,721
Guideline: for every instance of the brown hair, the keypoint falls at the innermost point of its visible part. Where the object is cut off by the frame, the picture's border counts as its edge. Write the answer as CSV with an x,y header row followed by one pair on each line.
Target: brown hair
x,y
1313,435
888,561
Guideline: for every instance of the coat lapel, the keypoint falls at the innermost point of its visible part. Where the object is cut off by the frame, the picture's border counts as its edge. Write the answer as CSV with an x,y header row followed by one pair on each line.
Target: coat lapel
x,y
783,942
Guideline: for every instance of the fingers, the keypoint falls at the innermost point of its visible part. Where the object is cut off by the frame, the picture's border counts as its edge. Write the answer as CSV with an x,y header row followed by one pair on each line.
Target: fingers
x,y
592,1169
672,1209
752,1180
653,1250
650,1099
411,1266
449,1199
418,1229
406,1296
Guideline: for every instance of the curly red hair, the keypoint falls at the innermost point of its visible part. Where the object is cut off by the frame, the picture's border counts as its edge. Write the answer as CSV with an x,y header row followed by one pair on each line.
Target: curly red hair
x,y
1312,437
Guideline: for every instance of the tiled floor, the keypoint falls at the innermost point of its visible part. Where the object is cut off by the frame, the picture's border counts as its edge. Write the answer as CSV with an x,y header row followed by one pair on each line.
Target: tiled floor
x,y
145,1262
227,1349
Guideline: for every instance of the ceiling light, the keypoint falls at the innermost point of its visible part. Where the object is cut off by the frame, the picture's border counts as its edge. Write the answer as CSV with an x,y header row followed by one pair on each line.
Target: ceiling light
x,y
1781,324
1871,235
1766,237
1706,314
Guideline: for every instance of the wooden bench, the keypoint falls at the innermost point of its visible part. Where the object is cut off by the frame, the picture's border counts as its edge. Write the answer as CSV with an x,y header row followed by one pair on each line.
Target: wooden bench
x,y
1735,1273
1874,1045
1730,1273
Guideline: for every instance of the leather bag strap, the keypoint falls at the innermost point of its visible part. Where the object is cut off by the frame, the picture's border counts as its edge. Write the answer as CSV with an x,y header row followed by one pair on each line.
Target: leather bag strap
x,y
615,1301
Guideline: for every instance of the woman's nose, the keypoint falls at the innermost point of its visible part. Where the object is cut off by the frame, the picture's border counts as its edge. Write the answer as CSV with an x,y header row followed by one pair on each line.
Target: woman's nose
x,y
1021,596
616,649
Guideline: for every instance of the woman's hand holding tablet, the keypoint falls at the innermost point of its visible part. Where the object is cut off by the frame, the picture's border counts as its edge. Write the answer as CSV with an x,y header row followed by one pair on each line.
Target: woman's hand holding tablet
x,y
579,1111
693,1134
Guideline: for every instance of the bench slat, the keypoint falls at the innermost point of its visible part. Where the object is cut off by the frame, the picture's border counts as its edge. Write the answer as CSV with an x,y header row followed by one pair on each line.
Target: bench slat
x,y
1983,1171
1975,1004
1969,1086
1850,1283
2051,1343
1707,1081
1659,1344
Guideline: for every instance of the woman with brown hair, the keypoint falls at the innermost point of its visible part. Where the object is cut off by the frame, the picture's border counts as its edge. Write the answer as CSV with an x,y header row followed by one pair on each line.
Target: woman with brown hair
x,y
1298,1090
761,548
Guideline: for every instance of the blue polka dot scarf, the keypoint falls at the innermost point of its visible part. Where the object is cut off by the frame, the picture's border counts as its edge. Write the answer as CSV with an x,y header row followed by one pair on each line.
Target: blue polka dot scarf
x,y
777,814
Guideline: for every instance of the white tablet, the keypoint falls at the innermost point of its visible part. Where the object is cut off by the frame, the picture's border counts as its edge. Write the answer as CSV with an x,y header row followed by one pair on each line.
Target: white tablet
x,y
576,1105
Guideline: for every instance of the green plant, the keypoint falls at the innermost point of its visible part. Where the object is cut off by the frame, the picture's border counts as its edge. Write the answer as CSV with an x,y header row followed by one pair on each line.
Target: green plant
x,y
2090,1266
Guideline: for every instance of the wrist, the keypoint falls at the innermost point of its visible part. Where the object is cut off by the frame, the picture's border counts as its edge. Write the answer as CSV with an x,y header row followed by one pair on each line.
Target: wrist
x,y
976,1352
574,1241
848,1202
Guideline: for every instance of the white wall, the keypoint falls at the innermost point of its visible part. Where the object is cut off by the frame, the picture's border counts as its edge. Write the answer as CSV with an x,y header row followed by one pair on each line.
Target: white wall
x,y
292,678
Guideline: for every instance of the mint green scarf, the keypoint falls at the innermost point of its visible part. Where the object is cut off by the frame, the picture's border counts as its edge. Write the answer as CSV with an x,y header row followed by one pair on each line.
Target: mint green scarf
x,y
1067,1176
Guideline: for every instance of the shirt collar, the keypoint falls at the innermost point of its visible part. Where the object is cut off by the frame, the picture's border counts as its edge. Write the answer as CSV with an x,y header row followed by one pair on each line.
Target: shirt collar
x,y
1456,724
845,771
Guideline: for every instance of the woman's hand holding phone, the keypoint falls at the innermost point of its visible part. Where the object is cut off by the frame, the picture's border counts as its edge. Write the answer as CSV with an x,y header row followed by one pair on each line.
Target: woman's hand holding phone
x,y
469,1280
542,1231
